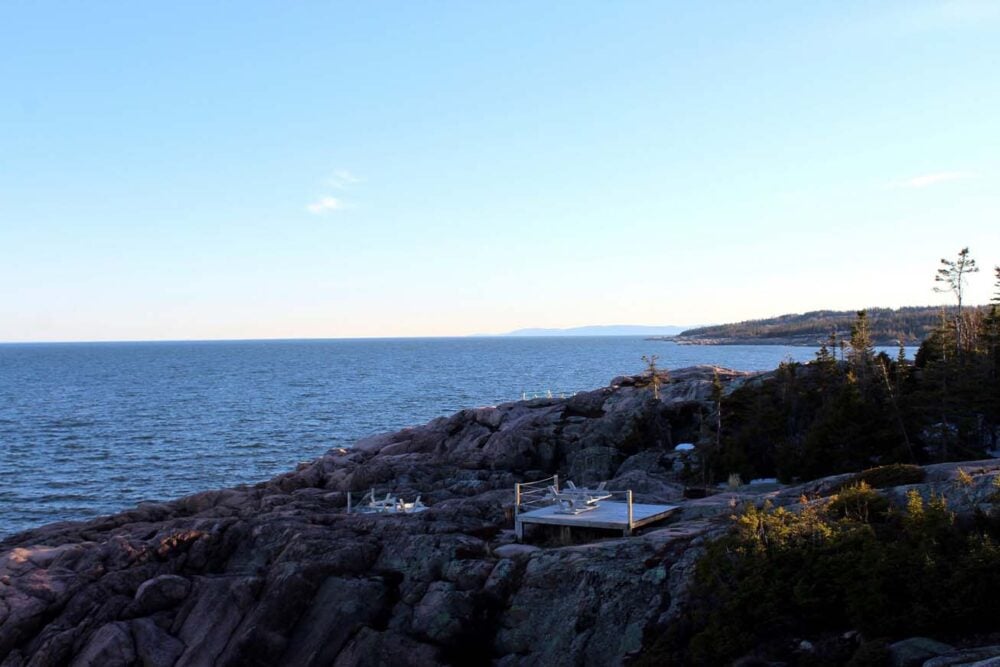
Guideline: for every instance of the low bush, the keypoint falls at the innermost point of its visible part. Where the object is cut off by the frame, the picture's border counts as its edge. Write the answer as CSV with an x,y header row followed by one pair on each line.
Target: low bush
x,y
781,576
859,502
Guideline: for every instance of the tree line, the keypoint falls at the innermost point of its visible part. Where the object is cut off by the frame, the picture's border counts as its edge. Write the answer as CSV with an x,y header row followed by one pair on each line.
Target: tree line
x,y
851,408
909,325
850,572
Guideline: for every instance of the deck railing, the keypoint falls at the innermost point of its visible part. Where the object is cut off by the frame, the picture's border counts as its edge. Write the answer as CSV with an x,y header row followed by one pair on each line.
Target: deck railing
x,y
534,494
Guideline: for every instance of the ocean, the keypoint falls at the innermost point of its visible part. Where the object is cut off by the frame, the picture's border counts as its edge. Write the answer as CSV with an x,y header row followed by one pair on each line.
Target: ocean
x,y
93,428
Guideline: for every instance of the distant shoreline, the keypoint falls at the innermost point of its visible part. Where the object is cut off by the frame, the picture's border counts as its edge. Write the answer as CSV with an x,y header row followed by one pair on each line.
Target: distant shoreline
x,y
789,341
600,330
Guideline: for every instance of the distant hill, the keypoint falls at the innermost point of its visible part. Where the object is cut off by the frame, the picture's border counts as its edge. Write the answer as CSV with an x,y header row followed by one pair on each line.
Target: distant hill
x,y
888,326
602,330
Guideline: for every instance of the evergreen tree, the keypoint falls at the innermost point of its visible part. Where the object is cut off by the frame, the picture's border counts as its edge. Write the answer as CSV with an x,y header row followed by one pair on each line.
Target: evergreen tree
x,y
893,391
902,369
655,379
862,352
953,275
826,362
711,436
717,399
991,336
823,355
991,347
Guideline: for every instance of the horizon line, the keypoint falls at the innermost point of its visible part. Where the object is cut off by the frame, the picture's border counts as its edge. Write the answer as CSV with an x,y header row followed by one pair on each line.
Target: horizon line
x,y
507,334
296,339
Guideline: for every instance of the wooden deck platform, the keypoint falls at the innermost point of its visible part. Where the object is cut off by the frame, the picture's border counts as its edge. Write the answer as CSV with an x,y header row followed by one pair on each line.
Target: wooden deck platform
x,y
609,514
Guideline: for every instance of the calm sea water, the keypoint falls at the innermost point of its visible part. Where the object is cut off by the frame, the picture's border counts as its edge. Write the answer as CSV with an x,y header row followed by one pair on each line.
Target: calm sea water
x,y
93,428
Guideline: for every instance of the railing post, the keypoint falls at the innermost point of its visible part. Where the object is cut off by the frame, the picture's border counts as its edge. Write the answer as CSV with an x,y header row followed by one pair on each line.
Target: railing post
x,y
556,482
518,528
348,502
628,531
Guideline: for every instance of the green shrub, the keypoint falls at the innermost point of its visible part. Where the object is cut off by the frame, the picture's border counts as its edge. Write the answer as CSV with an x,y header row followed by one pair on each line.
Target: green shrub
x,y
780,575
859,502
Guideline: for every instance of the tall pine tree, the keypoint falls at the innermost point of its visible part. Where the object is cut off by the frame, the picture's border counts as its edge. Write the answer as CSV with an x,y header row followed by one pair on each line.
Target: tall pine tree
x,y
953,274
862,353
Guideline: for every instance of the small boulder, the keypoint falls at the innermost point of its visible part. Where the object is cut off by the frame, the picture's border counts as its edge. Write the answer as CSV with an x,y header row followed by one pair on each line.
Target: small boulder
x,y
515,551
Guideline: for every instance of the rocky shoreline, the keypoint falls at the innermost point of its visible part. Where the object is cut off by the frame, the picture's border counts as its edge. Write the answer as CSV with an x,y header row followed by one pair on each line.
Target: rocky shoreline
x,y
279,573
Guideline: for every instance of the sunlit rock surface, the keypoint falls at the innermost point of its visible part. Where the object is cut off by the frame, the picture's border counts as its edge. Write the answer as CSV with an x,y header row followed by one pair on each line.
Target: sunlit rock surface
x,y
279,573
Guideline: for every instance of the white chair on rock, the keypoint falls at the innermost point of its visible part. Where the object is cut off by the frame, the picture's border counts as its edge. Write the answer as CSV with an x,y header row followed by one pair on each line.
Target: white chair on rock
x,y
407,508
385,505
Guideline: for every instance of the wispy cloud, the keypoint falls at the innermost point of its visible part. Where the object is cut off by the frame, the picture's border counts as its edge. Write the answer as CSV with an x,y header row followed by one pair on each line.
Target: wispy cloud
x,y
325,205
927,180
342,179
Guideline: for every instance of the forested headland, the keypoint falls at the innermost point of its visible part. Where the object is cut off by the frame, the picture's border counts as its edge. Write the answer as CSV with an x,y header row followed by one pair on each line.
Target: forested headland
x,y
851,408
847,574
888,326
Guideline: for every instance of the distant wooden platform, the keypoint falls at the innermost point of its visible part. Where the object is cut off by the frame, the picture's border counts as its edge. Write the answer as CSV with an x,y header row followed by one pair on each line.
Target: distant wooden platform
x,y
609,514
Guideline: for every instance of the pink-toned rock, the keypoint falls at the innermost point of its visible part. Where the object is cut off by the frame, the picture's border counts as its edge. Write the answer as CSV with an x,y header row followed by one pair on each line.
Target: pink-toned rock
x,y
279,573
161,592
110,646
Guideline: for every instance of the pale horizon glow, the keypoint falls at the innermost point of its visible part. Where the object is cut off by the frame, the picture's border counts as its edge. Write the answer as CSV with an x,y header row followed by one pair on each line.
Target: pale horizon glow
x,y
200,172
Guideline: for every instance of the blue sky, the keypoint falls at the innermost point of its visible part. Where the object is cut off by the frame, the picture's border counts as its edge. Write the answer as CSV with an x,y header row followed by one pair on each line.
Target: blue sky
x,y
257,170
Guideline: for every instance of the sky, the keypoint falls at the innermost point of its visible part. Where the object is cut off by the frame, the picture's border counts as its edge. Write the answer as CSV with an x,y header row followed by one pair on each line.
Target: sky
x,y
323,169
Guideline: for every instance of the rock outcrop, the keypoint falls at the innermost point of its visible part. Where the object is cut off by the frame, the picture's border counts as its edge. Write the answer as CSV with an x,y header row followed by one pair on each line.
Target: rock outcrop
x,y
280,573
